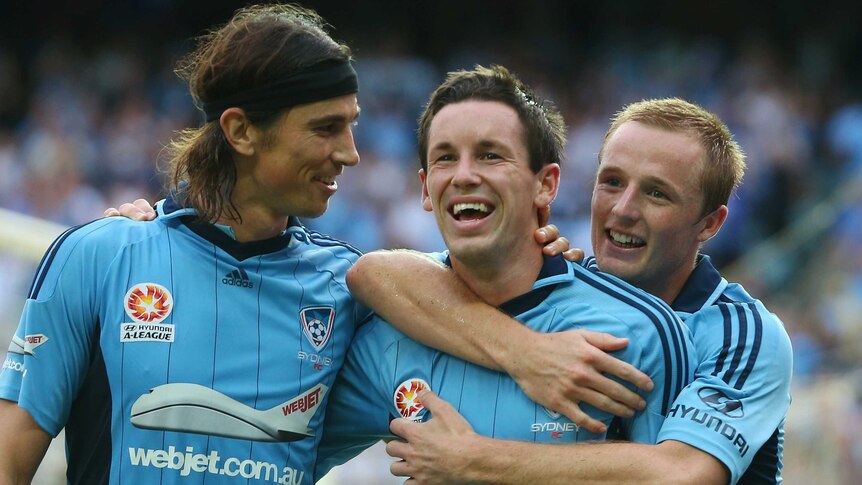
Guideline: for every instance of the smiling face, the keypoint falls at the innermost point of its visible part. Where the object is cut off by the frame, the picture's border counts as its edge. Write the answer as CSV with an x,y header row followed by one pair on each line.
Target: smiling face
x,y
647,223
479,183
297,162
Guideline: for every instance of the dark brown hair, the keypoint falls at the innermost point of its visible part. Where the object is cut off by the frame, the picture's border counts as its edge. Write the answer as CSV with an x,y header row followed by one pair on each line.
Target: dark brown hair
x,y
259,45
544,128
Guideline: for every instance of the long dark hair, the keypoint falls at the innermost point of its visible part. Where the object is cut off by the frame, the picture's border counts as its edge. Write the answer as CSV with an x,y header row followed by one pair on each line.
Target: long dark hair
x,y
259,45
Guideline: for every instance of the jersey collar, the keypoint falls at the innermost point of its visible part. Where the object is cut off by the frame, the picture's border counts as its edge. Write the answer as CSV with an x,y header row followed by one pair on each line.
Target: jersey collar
x,y
170,209
702,288
554,270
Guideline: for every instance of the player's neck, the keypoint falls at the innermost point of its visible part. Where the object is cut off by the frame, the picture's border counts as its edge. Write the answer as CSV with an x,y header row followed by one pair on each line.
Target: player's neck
x,y
257,224
498,279
672,285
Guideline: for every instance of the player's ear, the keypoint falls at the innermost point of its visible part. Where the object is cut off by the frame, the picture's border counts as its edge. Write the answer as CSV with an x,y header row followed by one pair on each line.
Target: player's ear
x,y
239,132
712,222
547,184
426,199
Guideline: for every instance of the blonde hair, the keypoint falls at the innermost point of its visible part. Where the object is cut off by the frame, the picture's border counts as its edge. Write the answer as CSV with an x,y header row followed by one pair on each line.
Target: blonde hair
x,y
724,166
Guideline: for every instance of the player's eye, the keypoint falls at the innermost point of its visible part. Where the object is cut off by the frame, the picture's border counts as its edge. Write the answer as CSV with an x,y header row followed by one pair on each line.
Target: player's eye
x,y
658,194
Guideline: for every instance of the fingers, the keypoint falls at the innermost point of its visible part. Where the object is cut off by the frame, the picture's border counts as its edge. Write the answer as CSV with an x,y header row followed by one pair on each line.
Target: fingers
x,y
397,448
400,468
574,255
400,427
626,372
431,401
143,205
603,341
546,233
140,210
592,387
572,411
611,396
612,365
558,246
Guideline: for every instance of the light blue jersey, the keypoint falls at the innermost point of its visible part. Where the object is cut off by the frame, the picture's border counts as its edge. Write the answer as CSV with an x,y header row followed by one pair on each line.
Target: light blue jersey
x,y
385,369
735,408
172,353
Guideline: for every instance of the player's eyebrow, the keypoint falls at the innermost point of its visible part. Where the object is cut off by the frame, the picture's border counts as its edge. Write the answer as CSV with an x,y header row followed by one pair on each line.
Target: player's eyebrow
x,y
333,118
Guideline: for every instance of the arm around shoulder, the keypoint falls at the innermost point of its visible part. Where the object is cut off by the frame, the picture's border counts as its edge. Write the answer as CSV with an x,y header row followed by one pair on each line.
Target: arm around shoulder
x,y
427,301
519,463
22,444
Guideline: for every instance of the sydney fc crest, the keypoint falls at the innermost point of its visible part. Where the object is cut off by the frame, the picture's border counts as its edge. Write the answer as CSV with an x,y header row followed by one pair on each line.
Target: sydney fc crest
x,y
317,324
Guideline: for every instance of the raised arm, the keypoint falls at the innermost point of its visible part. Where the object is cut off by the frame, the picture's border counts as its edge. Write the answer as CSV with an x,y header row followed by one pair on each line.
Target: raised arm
x,y
22,444
445,450
428,302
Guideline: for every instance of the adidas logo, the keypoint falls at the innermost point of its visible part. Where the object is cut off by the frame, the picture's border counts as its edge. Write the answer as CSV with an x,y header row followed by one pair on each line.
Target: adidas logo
x,y
237,277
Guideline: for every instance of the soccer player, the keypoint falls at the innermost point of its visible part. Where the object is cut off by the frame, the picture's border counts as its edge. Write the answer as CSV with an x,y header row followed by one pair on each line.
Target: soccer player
x,y
490,154
201,347
666,171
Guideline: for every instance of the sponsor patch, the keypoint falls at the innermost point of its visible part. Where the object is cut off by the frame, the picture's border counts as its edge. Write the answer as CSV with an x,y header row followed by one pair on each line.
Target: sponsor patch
x,y
406,398
148,303
317,324
13,366
33,341
721,402
147,332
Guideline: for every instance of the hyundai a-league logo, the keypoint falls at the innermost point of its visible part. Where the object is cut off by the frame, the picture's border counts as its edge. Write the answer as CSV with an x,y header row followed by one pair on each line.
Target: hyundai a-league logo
x,y
317,324
148,303
406,398
721,402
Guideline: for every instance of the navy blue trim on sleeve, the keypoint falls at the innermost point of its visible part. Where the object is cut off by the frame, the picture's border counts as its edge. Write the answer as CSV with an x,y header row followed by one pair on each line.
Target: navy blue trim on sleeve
x,y
46,262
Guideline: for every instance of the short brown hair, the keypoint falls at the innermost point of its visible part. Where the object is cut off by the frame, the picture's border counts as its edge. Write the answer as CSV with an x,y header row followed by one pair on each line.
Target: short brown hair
x,y
725,162
544,128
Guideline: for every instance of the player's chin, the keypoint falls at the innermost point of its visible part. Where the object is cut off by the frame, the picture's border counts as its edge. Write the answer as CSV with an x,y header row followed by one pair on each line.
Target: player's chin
x,y
313,211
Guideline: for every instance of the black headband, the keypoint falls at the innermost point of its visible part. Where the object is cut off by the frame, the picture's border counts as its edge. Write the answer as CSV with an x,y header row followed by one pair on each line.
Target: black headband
x,y
324,80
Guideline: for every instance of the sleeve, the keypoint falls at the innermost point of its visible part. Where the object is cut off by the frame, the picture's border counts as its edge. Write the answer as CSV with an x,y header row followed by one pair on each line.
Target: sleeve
x,y
357,415
50,352
741,391
667,355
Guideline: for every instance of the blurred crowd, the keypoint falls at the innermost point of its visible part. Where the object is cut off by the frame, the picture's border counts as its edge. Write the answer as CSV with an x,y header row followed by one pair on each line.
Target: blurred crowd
x,y
82,128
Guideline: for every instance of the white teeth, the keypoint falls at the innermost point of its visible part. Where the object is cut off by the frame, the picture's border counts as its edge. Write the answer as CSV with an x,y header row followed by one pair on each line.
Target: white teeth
x,y
476,206
625,239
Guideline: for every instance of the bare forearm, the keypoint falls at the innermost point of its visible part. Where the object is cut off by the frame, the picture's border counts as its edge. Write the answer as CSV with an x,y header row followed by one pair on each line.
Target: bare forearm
x,y
501,462
430,303
22,444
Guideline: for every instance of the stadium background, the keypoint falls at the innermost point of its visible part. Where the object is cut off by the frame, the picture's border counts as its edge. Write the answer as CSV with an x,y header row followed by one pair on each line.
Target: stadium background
x,y
88,98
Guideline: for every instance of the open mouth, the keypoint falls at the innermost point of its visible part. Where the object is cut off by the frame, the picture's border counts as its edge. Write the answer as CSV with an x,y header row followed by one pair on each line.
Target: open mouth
x,y
328,181
624,240
470,211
